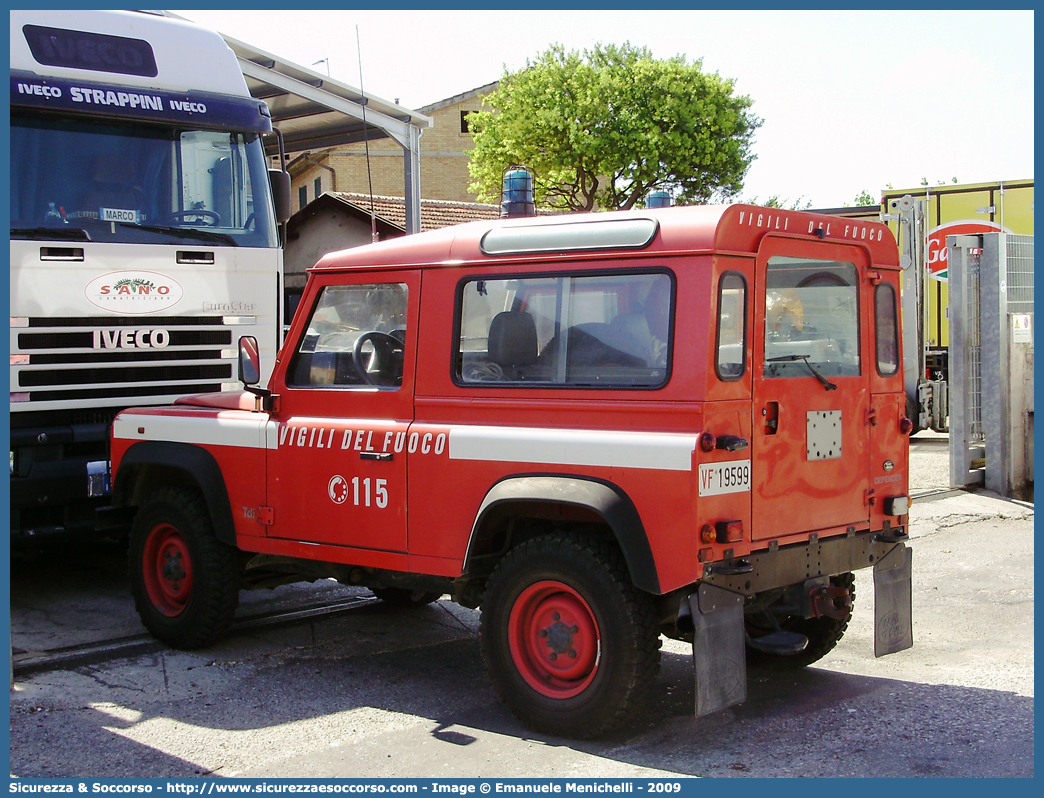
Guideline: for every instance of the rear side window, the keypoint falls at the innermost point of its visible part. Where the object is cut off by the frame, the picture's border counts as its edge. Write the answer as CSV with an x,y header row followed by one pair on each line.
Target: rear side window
x,y
605,330
355,336
887,330
731,360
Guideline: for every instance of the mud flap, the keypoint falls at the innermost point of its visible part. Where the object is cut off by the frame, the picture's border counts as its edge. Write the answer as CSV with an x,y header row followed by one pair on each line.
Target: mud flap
x,y
719,653
893,611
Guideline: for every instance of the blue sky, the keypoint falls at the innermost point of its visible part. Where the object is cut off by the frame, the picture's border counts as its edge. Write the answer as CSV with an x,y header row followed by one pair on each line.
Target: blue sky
x,y
851,100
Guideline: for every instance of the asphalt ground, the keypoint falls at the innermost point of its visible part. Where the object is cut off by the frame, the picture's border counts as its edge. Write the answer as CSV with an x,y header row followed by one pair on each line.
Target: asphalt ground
x,y
382,692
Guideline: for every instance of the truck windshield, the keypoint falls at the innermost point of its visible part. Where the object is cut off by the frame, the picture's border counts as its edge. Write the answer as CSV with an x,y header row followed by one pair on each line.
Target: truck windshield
x,y
133,183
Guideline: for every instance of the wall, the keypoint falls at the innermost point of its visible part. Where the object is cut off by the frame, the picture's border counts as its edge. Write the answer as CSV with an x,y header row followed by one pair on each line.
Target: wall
x,y
325,232
444,161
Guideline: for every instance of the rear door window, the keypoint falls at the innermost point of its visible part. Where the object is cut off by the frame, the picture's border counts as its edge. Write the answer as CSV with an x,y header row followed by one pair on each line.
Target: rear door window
x,y
811,318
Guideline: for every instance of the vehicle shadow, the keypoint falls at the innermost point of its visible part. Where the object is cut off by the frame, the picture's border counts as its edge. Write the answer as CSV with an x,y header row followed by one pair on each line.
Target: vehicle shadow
x,y
231,709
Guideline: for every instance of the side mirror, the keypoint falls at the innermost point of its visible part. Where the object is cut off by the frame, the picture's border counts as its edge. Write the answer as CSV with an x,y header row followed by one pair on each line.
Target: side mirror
x,y
249,361
280,182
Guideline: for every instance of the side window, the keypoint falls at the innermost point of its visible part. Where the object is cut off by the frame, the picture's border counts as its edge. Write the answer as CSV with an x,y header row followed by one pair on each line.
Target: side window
x,y
886,330
605,330
356,336
811,318
731,360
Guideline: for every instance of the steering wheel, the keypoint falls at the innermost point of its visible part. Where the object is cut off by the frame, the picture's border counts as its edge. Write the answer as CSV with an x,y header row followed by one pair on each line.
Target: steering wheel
x,y
378,366
179,217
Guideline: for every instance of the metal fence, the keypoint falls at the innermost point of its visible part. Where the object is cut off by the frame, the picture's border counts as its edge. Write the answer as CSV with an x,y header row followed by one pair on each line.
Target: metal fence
x,y
991,356
1019,262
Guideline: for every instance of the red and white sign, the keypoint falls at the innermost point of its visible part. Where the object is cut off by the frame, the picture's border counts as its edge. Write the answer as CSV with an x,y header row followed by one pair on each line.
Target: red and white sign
x,y
935,252
133,292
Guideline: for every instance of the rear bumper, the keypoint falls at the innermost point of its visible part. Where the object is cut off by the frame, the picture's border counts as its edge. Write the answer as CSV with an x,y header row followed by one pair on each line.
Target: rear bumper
x,y
787,565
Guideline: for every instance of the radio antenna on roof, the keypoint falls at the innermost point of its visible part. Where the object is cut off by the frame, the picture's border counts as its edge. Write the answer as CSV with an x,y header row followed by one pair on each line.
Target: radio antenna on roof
x,y
366,141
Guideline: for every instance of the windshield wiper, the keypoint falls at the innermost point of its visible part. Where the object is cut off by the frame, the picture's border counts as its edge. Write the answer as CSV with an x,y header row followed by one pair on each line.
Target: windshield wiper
x,y
827,384
184,232
44,233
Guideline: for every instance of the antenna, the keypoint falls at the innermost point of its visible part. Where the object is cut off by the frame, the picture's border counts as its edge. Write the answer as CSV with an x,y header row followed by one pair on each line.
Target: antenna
x,y
366,141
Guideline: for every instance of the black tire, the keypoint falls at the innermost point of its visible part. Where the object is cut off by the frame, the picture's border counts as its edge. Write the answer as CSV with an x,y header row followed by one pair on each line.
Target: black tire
x,y
822,633
538,598
185,581
912,414
401,597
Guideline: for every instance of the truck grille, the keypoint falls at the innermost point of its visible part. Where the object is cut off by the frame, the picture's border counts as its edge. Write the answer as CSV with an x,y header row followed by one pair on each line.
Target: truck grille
x,y
102,360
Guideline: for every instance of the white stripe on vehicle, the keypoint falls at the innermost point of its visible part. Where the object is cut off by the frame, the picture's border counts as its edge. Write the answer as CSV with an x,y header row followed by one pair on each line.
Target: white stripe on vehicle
x,y
661,452
592,448
209,431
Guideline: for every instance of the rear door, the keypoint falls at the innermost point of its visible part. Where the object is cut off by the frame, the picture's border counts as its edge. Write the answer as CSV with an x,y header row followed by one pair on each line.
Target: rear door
x,y
811,388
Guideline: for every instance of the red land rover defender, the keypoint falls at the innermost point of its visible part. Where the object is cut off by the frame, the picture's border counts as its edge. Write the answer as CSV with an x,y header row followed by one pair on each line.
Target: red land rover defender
x,y
598,428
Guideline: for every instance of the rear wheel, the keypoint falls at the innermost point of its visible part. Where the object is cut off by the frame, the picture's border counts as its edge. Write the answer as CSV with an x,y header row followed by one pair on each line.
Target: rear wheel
x,y
185,581
402,597
823,633
569,642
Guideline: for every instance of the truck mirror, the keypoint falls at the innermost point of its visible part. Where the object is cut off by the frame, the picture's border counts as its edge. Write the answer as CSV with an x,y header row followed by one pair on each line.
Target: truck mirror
x,y
249,361
280,182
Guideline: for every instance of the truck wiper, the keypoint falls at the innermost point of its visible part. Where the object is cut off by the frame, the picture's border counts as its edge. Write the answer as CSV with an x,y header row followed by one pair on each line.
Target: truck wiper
x,y
827,384
184,232
44,233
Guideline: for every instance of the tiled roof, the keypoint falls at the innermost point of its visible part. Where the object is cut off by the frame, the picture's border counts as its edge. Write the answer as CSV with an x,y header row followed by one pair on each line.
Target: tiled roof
x,y
434,213
459,98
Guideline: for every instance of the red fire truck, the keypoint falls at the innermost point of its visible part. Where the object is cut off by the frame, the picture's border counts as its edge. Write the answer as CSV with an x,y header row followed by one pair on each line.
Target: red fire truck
x,y
597,428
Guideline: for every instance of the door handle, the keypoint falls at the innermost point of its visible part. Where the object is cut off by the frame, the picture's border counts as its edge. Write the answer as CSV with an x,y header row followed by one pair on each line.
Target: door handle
x,y
771,414
380,456
731,443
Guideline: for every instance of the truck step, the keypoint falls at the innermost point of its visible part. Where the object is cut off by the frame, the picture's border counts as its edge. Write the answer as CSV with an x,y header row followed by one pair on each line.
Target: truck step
x,y
779,642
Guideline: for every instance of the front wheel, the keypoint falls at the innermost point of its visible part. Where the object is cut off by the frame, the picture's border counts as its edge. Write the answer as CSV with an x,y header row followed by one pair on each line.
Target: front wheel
x,y
185,581
569,642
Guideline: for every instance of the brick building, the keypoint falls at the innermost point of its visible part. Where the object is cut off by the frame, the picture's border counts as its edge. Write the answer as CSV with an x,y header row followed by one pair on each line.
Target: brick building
x,y
339,220
443,162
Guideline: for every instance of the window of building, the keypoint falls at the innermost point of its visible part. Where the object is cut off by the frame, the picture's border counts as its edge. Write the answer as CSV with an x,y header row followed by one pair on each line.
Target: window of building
x,y
318,186
356,336
465,125
592,331
302,196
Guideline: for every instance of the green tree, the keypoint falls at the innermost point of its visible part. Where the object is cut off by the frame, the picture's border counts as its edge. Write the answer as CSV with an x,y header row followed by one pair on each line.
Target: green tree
x,y
865,198
783,203
602,129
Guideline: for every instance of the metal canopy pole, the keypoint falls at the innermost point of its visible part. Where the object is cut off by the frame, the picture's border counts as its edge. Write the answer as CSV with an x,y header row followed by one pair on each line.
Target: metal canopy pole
x,y
396,128
411,178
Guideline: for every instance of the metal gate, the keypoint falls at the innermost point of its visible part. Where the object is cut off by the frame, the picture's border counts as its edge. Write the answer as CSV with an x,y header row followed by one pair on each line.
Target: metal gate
x,y
991,361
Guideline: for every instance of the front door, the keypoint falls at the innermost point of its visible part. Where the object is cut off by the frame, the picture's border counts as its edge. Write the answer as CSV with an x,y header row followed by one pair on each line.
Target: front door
x,y
337,447
810,448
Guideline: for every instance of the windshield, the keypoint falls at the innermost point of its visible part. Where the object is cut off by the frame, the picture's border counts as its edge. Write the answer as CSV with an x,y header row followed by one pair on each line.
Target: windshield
x,y
129,183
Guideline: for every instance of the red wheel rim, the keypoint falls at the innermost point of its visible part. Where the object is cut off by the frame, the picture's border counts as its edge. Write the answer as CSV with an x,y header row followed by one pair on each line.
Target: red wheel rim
x,y
554,640
167,568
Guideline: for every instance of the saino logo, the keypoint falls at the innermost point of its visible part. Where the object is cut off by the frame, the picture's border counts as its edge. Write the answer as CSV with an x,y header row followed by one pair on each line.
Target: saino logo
x,y
935,253
133,292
